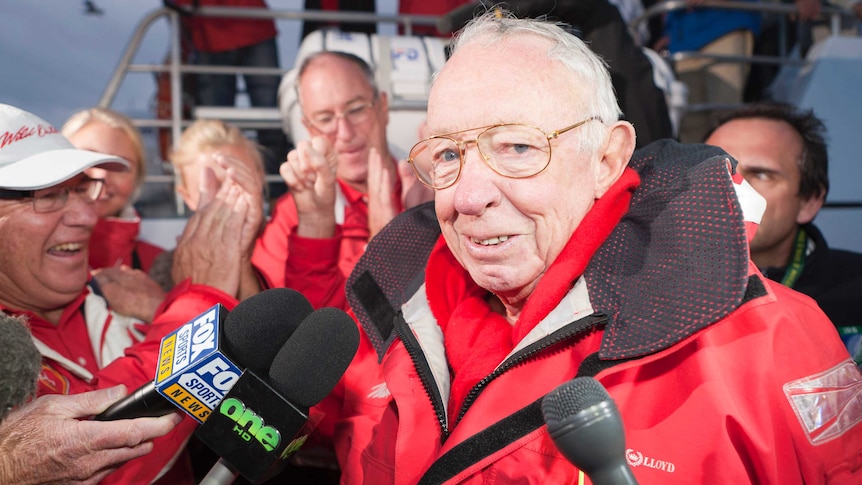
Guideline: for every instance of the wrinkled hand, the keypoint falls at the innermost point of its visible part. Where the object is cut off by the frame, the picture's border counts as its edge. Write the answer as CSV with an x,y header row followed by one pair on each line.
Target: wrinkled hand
x,y
309,171
130,291
383,201
210,249
251,181
48,441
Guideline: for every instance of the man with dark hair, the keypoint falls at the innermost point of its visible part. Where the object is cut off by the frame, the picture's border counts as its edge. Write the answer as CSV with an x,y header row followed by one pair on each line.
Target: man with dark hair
x,y
782,153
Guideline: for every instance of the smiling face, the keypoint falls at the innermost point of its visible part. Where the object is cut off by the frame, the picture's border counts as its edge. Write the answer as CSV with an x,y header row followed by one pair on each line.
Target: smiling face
x,y
506,232
768,152
119,186
332,87
43,264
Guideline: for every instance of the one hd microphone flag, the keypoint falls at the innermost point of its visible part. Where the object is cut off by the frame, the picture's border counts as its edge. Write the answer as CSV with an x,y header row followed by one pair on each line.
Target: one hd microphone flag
x,y
194,371
255,429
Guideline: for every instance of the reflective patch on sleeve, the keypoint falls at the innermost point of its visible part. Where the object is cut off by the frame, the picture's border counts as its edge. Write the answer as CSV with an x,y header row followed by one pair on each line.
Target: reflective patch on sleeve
x,y
752,203
827,404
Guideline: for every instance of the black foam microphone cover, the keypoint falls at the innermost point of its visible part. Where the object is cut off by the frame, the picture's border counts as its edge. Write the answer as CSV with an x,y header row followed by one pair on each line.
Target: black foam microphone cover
x,y
260,422
257,328
315,357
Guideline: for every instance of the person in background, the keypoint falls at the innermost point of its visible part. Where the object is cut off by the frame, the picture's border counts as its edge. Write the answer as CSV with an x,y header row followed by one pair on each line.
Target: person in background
x,y
118,258
709,31
47,216
779,31
367,6
782,152
210,152
344,183
239,42
116,236
552,251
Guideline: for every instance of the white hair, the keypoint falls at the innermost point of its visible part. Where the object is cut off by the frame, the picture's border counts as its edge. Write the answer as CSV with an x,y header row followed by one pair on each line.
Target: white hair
x,y
589,71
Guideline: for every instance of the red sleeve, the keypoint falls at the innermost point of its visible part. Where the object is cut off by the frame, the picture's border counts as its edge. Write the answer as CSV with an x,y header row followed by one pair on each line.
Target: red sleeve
x,y
313,270
138,366
310,266
271,250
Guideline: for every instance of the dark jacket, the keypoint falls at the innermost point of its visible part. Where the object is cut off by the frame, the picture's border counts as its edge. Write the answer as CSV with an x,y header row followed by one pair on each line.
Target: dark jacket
x,y
833,277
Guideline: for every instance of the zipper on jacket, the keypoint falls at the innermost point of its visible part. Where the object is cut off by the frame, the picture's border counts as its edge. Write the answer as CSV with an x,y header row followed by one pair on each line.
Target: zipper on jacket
x,y
560,338
424,372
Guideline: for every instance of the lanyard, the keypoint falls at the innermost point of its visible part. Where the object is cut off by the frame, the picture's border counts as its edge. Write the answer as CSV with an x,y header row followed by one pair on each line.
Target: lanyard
x,y
794,269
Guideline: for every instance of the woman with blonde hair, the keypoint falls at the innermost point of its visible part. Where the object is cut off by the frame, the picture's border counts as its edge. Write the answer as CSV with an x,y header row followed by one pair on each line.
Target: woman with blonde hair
x,y
211,156
206,150
115,239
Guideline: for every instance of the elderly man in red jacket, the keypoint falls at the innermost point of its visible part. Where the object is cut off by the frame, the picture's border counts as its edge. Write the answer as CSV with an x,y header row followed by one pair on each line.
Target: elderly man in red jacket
x,y
552,252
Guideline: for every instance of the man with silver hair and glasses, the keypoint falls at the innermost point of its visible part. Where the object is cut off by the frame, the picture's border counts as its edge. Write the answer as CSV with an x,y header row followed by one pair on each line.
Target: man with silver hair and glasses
x,y
344,183
551,252
47,215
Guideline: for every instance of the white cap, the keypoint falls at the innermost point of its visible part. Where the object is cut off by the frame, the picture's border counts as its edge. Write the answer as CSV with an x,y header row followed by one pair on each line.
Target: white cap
x,y
34,155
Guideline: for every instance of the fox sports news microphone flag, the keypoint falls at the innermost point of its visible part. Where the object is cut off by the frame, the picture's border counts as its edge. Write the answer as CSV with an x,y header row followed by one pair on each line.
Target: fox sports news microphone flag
x,y
194,372
263,420
201,360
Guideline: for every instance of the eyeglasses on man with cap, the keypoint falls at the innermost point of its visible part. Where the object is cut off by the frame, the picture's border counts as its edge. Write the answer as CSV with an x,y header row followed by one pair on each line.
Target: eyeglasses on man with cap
x,y
53,199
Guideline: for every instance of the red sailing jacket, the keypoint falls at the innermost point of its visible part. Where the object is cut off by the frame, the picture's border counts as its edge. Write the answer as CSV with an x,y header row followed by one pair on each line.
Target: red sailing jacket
x,y
116,240
720,375
317,268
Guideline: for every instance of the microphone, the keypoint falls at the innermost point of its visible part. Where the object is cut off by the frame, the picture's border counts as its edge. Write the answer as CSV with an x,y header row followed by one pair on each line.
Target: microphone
x,y
585,425
201,360
20,364
262,422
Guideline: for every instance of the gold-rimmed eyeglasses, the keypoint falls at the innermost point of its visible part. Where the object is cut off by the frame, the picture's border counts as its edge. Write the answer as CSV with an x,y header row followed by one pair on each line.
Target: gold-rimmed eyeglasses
x,y
512,150
355,114
53,199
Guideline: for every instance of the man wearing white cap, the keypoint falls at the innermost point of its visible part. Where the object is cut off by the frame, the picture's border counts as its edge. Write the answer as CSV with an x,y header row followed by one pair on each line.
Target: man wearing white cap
x,y
46,219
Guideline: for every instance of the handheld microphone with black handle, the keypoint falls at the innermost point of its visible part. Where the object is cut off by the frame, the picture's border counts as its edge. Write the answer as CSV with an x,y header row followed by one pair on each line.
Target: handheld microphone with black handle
x,y
203,358
261,422
585,425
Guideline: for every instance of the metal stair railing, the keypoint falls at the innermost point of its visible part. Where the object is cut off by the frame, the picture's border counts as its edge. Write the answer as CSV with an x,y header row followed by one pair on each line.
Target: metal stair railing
x,y
245,119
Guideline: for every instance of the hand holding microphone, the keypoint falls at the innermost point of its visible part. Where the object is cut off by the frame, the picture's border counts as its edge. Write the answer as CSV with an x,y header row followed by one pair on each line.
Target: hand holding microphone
x,y
585,425
261,422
